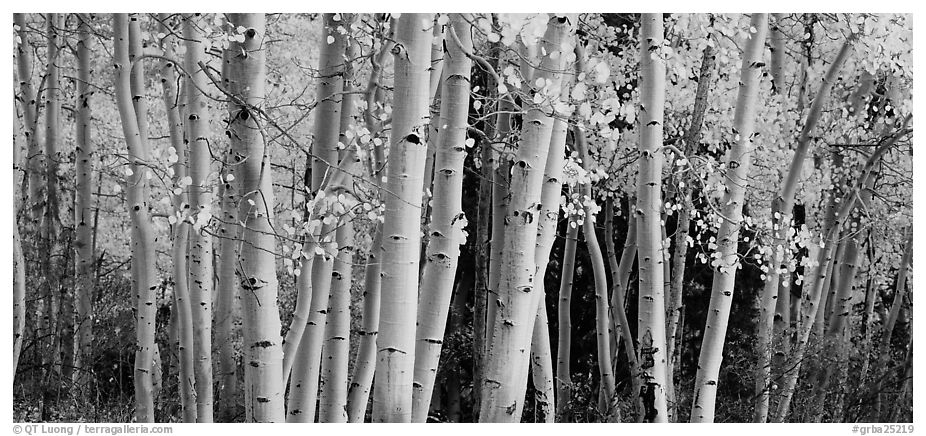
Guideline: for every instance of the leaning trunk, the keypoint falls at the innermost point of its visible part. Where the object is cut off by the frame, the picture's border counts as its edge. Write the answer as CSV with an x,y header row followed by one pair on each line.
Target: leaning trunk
x,y
725,259
447,221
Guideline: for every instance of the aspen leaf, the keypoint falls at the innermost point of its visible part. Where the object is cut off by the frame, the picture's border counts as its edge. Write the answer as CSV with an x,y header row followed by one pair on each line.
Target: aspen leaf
x,y
330,39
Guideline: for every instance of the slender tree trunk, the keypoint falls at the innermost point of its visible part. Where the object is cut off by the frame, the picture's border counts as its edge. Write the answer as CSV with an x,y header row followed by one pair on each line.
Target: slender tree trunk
x,y
447,221
181,226
564,320
392,396
602,321
887,332
262,342
226,304
60,299
651,313
35,156
501,179
725,259
19,263
83,200
542,367
828,244
201,267
328,93
362,379
333,395
782,208
541,355
683,222
143,266
508,358
870,295
620,277
777,43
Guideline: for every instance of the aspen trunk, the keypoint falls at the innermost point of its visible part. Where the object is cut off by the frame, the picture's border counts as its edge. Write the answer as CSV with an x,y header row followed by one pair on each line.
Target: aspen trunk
x,y
201,269
508,358
541,356
83,200
501,179
602,322
900,291
447,221
226,304
144,272
303,392
61,321
782,209
328,93
651,332
542,367
683,222
564,319
19,295
777,47
19,264
181,228
620,277
828,247
333,395
35,156
392,396
256,272
320,244
725,259
362,379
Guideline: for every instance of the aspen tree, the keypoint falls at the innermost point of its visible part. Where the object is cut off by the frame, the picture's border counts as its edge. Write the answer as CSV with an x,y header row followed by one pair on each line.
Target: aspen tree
x,y
725,259
651,332
305,379
19,295
362,378
782,207
507,360
59,301
691,137
828,243
328,92
333,396
602,321
144,272
564,320
19,262
201,269
620,278
35,155
447,221
392,395
256,272
180,234
83,198
501,179
848,266
887,332
541,355
226,300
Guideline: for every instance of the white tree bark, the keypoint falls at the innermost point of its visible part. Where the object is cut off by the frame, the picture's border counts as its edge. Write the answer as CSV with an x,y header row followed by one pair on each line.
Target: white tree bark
x,y
447,221
725,260
392,396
